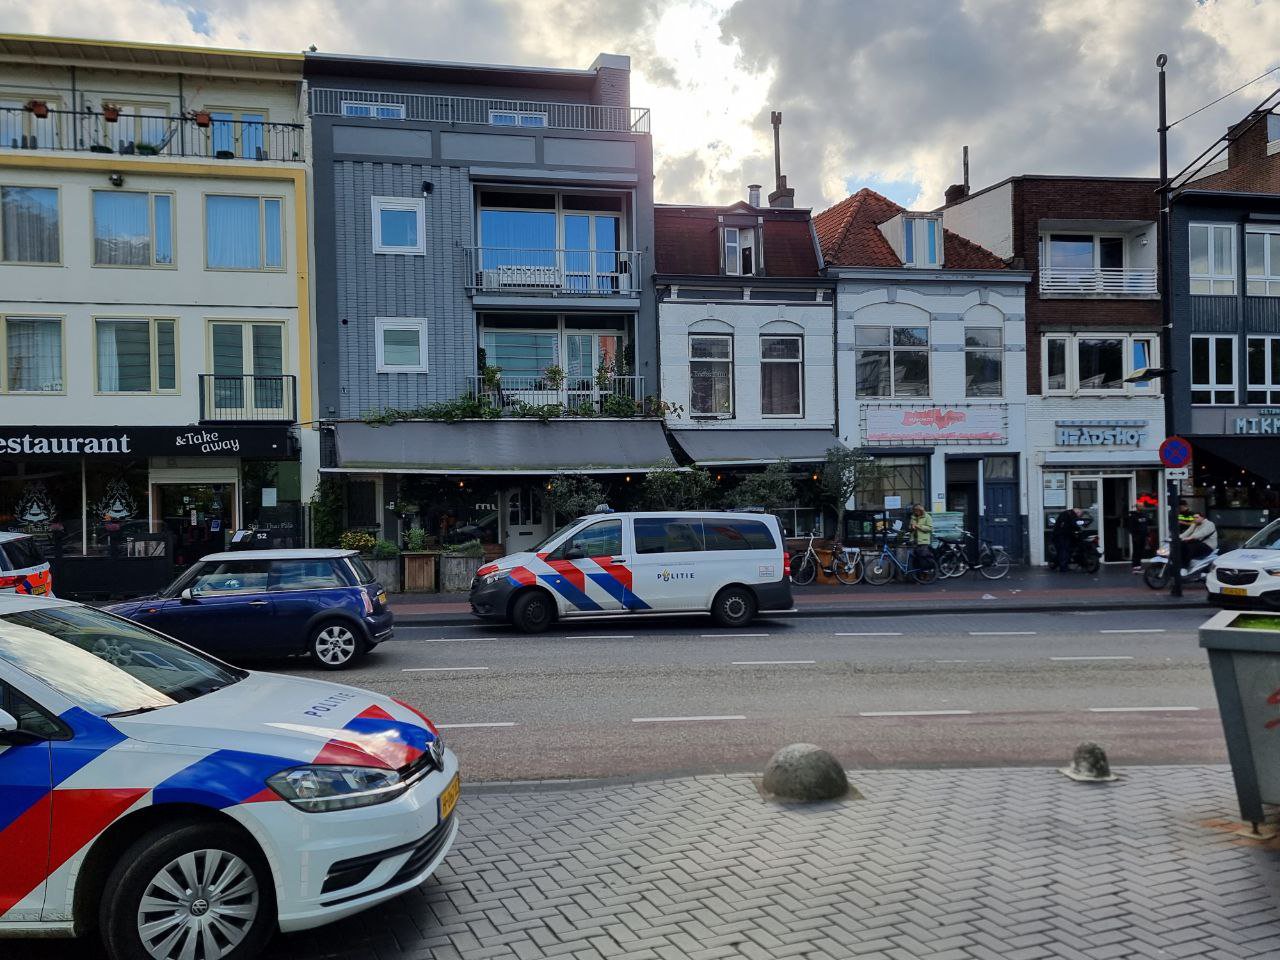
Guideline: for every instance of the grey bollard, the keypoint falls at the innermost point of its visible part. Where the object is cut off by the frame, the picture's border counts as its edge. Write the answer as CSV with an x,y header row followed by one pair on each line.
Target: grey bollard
x,y
1089,765
806,773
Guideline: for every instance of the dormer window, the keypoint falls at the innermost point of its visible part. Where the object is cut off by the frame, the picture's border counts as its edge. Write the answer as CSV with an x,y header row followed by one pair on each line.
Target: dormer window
x,y
921,242
739,251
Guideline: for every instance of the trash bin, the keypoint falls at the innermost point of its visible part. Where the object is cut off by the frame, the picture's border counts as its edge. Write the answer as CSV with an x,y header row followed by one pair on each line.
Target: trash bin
x,y
1244,655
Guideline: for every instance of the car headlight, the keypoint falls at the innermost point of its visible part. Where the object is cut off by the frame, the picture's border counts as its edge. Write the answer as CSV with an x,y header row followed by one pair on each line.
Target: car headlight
x,y
1273,573
494,577
317,789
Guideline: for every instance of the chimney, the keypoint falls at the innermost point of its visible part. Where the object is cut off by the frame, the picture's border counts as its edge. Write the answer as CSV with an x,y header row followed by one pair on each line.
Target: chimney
x,y
1247,140
753,194
783,197
955,192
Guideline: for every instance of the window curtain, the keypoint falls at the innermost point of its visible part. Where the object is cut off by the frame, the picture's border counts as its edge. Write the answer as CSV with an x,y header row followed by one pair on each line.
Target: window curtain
x,y
519,237
271,211
233,238
35,354
124,356
29,224
121,229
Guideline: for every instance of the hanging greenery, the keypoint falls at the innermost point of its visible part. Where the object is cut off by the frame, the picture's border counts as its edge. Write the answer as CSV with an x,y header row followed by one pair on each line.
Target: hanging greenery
x,y
573,495
772,487
326,512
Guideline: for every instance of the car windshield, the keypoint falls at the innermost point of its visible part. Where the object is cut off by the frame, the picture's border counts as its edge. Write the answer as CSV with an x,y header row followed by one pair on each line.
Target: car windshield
x,y
107,665
557,535
23,553
1268,538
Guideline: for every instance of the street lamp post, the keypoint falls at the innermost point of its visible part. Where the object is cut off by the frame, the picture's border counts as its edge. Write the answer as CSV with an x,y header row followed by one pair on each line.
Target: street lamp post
x,y
1166,332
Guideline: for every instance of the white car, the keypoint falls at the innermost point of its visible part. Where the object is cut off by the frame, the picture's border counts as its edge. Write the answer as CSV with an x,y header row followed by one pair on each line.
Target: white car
x,y
729,565
1250,576
182,807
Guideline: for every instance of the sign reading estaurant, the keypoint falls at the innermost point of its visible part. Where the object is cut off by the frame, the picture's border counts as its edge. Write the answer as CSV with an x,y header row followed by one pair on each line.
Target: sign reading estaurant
x,y
116,441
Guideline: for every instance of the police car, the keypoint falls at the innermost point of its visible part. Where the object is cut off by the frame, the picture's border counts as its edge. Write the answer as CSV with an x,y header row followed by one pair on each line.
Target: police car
x,y
729,565
22,567
1249,576
182,807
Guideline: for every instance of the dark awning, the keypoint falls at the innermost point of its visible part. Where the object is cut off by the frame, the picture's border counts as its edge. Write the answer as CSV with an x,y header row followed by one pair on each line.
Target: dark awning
x,y
502,446
1259,455
721,447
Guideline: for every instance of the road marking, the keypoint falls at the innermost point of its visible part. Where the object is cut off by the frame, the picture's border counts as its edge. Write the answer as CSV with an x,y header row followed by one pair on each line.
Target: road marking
x,y
946,661
715,636
606,636
437,669
1143,709
461,726
1155,630
885,633
453,639
1091,658
916,713
762,663
684,719
1002,633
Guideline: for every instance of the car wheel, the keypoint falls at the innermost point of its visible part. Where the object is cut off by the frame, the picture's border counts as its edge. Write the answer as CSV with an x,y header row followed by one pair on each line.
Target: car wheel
x,y
201,890
733,607
334,645
532,612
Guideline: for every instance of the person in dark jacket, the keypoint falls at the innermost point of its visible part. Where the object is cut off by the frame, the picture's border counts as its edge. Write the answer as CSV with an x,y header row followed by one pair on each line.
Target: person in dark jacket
x,y
1064,536
1138,523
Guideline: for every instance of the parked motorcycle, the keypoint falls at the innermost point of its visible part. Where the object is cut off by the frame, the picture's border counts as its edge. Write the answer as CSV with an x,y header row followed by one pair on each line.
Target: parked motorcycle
x,y
1158,573
1085,547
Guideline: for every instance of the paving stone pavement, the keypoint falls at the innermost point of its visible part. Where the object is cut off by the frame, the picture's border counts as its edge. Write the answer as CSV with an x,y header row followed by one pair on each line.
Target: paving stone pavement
x,y
1013,864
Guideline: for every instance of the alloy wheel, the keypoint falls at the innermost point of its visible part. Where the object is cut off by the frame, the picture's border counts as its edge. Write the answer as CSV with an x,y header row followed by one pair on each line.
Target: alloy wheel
x,y
200,906
335,645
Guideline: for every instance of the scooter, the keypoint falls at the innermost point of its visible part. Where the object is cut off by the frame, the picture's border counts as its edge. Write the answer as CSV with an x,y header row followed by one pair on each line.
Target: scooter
x,y
1157,573
1085,548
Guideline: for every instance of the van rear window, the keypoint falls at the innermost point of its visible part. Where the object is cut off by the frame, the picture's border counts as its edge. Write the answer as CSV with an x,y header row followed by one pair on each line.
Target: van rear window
x,y
723,534
21,553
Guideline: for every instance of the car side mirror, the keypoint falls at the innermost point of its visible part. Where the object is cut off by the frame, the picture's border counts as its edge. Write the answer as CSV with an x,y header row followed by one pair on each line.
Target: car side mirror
x,y
188,595
8,723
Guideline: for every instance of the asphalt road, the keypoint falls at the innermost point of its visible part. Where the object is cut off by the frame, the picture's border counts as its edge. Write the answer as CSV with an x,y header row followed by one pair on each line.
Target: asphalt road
x,y
643,698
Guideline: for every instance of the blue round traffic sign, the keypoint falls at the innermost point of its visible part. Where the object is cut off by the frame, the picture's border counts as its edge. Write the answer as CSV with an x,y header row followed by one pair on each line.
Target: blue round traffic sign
x,y
1175,452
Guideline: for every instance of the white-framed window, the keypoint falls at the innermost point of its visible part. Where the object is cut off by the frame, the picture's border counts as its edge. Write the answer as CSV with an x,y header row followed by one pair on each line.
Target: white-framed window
x,y
983,362
399,225
892,361
740,251
137,125
247,358
1213,370
21,129
1097,363
243,232
1262,363
136,355
132,229
517,118
1212,250
29,220
33,355
1262,261
401,344
238,132
377,111
1081,252
921,242
782,376
711,375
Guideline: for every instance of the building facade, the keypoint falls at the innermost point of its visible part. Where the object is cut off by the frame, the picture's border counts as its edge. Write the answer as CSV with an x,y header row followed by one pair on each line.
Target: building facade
x,y
154,300
931,378
1092,319
484,246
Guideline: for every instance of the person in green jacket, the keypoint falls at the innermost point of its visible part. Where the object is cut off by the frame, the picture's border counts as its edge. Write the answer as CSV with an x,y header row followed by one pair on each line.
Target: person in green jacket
x,y
920,533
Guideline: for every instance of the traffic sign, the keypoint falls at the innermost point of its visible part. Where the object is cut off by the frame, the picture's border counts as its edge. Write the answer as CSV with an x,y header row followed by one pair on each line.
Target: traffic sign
x,y
1175,452
1177,473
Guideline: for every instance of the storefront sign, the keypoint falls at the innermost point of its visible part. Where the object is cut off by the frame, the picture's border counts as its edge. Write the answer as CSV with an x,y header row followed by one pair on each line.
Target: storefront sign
x,y
1269,425
1101,433
930,424
18,443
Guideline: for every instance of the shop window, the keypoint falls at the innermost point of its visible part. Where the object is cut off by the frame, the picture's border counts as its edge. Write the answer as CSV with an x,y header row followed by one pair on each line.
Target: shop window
x,y
782,376
895,477
711,375
1263,362
136,355
1212,249
1262,261
33,355
983,362
1213,370
117,506
42,498
29,219
892,361
799,521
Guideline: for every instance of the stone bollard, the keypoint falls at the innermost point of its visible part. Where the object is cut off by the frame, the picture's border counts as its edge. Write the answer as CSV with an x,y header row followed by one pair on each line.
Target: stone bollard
x,y
806,773
1089,765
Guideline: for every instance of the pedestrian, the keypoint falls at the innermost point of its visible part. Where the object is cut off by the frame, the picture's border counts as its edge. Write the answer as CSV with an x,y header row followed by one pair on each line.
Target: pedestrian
x,y
1199,540
1138,523
920,533
1185,516
1064,536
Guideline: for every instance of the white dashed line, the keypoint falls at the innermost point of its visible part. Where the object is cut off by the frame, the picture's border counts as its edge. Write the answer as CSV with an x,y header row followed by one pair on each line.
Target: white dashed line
x,y
1002,633
452,639
916,713
878,634
462,726
684,719
616,636
1091,658
438,669
946,661
765,663
1152,630
1143,709
721,636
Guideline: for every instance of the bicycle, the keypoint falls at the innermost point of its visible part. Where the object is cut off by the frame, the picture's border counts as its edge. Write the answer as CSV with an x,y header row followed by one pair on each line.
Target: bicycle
x,y
846,564
881,569
951,558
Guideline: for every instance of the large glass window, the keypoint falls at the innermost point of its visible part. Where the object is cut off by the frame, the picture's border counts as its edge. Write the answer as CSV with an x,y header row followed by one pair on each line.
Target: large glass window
x,y
21,129
1100,361
781,376
248,365
401,345
1096,363
399,225
132,229
983,362
1262,262
520,353
1263,363
43,497
1213,370
33,355
243,233
711,375
892,361
894,477
1212,248
29,225
136,355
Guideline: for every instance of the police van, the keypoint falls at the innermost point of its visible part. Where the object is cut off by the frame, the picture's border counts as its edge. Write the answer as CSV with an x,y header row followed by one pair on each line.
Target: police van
x,y
728,565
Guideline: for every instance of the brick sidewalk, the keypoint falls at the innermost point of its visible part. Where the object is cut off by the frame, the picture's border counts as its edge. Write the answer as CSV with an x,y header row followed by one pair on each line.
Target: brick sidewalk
x,y
932,865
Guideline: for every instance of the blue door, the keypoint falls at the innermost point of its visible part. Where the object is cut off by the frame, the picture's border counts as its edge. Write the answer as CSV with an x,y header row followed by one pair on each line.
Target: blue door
x,y
1000,522
25,794
229,611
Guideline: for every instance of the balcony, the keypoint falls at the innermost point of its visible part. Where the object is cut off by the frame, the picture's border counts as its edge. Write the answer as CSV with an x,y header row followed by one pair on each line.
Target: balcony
x,y
1135,282
555,273
490,112
616,396
248,399
132,134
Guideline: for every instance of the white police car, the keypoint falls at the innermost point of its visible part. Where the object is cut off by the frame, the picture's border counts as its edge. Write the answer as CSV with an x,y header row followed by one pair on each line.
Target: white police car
x,y
1250,576
184,808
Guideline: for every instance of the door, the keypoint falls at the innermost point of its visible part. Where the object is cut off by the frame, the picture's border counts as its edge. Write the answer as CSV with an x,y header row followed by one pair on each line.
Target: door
x,y
669,563
248,371
1117,497
591,571
25,785
230,613
1086,493
526,525
198,516
592,261
1000,498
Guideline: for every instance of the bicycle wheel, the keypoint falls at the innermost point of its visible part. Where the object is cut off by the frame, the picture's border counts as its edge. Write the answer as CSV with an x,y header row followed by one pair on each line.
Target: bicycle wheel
x,y
848,571
994,563
805,570
924,570
879,571
948,564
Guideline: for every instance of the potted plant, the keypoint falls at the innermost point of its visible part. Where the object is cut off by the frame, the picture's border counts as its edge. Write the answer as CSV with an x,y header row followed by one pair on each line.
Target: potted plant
x,y
147,150
458,566
39,108
555,376
384,563
418,564
491,377
110,112
100,148
201,117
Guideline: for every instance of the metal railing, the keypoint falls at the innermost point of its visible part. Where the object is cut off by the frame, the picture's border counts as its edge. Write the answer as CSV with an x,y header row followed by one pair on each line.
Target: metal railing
x,y
248,398
1099,281
136,134
493,112
585,273
584,396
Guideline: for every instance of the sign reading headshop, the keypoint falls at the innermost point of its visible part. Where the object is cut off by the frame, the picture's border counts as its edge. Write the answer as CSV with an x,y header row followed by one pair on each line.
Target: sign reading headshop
x,y
20,443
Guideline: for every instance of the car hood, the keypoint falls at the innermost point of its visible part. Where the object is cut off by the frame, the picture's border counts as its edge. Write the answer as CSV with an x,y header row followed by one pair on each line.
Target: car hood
x,y
292,718
1251,559
509,562
126,608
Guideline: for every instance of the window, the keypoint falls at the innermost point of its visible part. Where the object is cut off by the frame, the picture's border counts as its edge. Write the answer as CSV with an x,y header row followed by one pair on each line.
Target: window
x,y
305,575
722,534
1262,358
921,241
33,355
243,233
781,376
230,577
136,355
521,353
399,225
1213,370
402,345
1262,262
132,229
1055,380
602,539
378,111
21,129
1081,252
983,362
1097,363
29,225
711,375
1144,352
137,124
667,534
517,118
31,719
740,252
238,133
248,366
1212,248
1100,363
892,361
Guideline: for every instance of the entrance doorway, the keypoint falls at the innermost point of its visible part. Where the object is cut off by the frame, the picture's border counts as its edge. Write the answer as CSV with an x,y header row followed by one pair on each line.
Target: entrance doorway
x,y
1106,499
197,516
526,522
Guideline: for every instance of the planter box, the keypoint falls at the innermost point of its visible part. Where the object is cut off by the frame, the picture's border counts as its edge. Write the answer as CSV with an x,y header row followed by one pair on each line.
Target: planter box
x,y
387,573
493,551
456,573
419,572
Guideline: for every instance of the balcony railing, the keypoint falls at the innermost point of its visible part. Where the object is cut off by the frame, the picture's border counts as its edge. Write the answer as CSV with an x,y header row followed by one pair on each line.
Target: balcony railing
x,y
434,108
584,396
148,135
248,399
548,272
1099,281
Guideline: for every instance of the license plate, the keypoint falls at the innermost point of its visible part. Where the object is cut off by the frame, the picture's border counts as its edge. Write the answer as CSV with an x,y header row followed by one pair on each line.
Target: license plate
x,y
449,799
1235,591
382,597
40,590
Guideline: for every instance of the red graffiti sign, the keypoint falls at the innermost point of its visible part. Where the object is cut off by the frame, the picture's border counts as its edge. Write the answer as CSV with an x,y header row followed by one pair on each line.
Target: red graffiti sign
x,y
937,418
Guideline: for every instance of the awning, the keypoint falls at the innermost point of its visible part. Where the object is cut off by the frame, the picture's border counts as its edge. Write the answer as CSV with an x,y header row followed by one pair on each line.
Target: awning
x,y
501,447
1110,459
1259,455
726,447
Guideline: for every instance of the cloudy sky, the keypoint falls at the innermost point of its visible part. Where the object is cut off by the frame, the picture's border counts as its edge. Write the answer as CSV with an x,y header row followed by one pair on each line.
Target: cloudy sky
x,y
880,93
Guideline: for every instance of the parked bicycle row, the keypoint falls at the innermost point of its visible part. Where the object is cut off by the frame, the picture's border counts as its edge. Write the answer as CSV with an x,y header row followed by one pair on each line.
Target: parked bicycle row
x,y
939,559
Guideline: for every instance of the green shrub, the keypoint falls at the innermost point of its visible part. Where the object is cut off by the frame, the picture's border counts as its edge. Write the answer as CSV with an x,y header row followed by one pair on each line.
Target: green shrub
x,y
385,550
468,548
357,540
417,539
